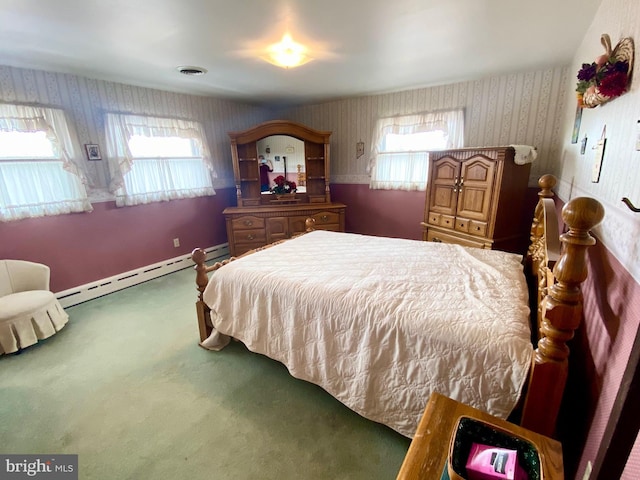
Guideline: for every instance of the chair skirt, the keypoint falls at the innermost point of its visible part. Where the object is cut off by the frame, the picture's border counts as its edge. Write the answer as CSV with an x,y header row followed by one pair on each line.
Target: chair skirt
x,y
26,317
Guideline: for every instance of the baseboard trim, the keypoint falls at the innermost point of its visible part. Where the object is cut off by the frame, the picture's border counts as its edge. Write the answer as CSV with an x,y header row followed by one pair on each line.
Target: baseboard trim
x,y
89,291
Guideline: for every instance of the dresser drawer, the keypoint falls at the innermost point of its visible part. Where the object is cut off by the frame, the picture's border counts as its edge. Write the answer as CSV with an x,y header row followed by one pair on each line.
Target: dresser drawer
x,y
434,218
441,220
331,227
447,221
247,222
249,236
462,225
442,237
473,227
478,228
326,218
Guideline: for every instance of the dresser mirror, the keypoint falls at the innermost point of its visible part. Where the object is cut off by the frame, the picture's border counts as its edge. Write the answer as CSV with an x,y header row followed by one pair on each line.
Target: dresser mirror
x,y
284,155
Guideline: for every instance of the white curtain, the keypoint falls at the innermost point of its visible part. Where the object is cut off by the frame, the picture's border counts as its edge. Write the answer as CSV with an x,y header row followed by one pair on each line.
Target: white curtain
x,y
144,180
37,187
407,170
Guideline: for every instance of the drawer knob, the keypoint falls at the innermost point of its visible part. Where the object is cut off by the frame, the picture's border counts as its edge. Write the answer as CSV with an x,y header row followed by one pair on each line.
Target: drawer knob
x,y
436,239
324,218
250,237
248,223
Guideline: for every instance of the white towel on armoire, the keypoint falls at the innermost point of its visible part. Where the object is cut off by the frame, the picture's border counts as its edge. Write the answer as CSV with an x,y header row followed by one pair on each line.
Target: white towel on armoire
x,y
524,154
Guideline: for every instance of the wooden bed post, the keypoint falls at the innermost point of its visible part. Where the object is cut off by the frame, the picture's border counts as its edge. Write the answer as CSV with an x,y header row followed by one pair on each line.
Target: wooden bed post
x,y
561,315
199,256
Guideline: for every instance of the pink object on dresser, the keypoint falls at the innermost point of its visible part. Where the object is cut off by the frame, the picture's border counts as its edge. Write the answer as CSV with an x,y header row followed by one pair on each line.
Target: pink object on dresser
x,y
492,463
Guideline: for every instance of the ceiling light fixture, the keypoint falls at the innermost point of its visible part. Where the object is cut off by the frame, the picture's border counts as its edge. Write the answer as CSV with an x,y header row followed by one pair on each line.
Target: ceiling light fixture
x,y
287,53
189,70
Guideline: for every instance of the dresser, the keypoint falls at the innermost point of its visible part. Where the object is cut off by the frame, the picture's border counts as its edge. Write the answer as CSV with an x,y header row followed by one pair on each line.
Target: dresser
x,y
289,151
475,197
249,228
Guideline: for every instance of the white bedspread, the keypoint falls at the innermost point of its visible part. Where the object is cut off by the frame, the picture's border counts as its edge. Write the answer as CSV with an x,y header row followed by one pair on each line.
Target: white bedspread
x,y
380,323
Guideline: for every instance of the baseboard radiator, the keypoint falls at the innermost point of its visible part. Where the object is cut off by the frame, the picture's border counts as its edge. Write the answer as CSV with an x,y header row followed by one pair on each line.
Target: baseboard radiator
x,y
89,291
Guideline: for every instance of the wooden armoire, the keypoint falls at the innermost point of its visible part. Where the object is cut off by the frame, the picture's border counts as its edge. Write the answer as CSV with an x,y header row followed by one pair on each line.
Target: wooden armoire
x,y
475,197
261,217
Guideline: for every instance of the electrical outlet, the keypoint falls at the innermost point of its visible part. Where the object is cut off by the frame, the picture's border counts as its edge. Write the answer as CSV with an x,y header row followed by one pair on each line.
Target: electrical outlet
x,y
587,471
176,242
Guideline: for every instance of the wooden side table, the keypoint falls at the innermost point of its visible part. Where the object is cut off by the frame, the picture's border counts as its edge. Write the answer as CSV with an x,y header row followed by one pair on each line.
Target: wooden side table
x,y
427,454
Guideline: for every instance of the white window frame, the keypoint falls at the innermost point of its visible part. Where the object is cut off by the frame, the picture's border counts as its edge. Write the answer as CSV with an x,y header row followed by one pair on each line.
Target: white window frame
x,y
407,169
35,185
146,179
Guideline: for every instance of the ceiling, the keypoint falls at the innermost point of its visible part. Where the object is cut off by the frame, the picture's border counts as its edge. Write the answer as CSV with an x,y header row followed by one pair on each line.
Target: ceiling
x,y
359,47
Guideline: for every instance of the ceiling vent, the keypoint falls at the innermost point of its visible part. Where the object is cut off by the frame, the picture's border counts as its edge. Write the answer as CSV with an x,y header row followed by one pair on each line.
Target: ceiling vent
x,y
189,70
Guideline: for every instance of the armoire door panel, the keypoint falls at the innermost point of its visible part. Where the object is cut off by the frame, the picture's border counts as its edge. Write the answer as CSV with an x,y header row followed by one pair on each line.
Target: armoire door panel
x,y
475,187
443,199
444,176
478,169
445,170
474,203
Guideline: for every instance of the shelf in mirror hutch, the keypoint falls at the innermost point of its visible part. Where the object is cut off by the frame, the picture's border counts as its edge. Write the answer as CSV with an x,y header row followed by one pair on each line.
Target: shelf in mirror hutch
x,y
296,152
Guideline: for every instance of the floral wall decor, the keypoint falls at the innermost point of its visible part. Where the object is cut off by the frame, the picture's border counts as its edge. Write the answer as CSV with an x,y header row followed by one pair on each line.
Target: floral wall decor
x,y
608,76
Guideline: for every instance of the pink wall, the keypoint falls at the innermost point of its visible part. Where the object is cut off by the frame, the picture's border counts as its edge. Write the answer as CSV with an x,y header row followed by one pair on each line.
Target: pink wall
x,y
83,247
612,317
599,355
385,213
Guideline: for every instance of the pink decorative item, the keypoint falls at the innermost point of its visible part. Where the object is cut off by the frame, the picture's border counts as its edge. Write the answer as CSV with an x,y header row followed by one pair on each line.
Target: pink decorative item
x,y
492,463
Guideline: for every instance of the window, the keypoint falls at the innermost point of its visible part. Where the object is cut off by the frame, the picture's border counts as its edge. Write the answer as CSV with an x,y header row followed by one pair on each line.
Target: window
x,y
400,147
153,159
38,170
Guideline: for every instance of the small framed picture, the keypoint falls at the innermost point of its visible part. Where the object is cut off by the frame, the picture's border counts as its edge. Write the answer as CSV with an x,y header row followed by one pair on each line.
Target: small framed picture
x,y
597,163
583,145
576,125
93,151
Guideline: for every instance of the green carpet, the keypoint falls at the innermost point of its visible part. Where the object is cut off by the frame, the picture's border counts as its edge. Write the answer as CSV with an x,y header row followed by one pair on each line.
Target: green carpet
x,y
125,386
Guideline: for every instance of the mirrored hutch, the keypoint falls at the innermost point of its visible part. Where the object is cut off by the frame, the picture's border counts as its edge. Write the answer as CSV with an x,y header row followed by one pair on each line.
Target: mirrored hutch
x,y
289,151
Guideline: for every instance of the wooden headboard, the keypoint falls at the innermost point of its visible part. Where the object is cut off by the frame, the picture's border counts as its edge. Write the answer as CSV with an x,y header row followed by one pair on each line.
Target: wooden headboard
x,y
544,250
559,268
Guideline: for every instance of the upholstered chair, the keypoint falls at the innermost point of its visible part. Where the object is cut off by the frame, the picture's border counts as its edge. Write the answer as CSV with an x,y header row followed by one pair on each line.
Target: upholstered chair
x,y
28,310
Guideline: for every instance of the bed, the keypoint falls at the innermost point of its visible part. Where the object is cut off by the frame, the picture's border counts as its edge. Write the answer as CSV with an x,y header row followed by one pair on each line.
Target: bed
x,y
381,323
